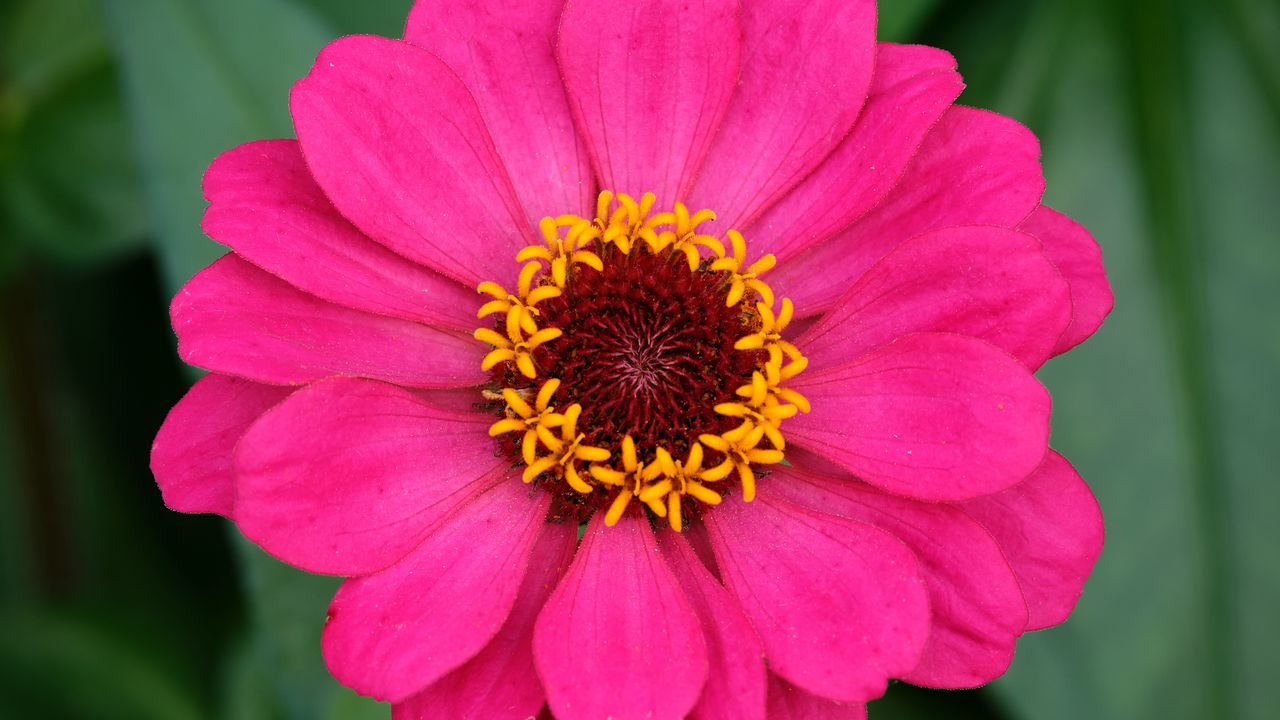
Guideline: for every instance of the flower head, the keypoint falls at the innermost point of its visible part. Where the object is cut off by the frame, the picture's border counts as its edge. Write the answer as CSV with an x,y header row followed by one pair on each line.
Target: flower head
x,y
731,288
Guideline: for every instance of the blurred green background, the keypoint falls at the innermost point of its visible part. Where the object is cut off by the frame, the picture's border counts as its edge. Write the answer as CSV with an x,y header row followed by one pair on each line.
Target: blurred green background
x,y
1161,130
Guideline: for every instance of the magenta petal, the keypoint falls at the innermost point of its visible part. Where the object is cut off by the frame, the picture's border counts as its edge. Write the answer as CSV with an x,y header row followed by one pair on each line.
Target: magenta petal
x,y
397,143
735,687
991,283
235,319
1078,256
391,634
974,168
932,416
839,605
806,68
1050,529
788,702
978,610
505,54
191,455
500,682
265,205
912,87
348,476
648,82
618,638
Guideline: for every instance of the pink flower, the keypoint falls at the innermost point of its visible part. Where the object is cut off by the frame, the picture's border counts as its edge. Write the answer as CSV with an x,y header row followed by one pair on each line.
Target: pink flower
x,y
642,366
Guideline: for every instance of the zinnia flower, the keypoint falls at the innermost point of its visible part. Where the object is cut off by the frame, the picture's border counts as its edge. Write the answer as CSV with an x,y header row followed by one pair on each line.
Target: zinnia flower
x,y
742,420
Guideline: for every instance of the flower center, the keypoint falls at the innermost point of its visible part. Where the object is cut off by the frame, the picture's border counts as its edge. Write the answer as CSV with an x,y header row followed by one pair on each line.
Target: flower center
x,y
629,366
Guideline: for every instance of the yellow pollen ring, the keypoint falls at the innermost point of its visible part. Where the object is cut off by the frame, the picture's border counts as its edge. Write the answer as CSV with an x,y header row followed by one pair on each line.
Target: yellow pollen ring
x,y
552,446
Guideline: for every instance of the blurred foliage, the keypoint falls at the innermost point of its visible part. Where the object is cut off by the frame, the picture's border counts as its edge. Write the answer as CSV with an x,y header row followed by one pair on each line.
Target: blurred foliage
x,y
1160,122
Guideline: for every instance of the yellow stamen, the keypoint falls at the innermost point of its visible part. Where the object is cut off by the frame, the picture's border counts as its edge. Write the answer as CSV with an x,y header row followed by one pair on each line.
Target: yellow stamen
x,y
550,441
740,279
678,480
563,251
739,449
684,236
531,419
565,452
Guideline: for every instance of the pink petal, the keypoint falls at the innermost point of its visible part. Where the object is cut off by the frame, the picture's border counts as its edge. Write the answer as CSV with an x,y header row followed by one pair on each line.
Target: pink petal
x,y
912,87
1078,256
397,143
266,207
991,283
648,82
974,168
235,319
736,677
505,55
1050,528
788,702
978,610
391,634
806,68
350,475
500,682
191,455
931,416
618,638
839,605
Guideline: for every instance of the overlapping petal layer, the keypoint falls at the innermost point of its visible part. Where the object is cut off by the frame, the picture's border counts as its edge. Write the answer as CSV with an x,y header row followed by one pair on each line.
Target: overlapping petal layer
x,y
376,471
235,319
985,282
920,526
391,634
191,455
1078,257
840,606
912,87
932,416
787,702
648,84
618,638
500,681
784,118
399,146
974,168
505,55
735,688
264,204
1050,529
978,610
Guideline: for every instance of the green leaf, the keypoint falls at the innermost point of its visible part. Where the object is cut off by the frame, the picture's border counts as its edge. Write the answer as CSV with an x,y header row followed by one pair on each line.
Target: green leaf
x,y
288,614
68,179
203,77
898,20
59,667
1156,138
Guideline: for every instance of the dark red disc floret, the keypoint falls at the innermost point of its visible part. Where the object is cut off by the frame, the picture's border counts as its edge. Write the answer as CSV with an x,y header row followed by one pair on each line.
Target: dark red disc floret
x,y
647,350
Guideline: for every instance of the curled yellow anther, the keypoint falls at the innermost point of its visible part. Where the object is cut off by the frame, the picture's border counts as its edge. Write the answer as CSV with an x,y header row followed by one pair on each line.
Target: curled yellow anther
x,y
632,478
529,419
743,278
684,237
565,452
563,251
628,223
739,449
514,346
521,305
678,480
769,337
